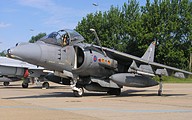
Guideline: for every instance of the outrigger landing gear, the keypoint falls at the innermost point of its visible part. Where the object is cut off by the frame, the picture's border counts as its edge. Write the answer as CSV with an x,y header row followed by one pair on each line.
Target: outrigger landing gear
x,y
160,86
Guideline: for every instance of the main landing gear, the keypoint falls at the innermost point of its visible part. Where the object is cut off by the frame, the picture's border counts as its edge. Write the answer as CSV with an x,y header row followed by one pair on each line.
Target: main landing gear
x,y
160,86
114,91
25,83
45,85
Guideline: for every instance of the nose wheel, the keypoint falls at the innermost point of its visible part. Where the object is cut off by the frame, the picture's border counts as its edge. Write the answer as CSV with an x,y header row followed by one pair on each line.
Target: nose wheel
x,y
79,92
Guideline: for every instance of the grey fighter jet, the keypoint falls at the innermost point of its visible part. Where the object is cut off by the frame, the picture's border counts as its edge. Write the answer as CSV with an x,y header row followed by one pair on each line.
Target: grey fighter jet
x,y
14,70
91,67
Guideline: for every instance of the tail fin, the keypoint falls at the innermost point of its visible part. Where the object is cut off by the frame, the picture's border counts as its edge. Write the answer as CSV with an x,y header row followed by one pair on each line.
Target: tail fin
x,y
149,54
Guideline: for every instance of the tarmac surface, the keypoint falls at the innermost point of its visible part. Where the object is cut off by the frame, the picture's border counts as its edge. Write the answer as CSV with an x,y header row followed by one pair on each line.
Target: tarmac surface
x,y
58,103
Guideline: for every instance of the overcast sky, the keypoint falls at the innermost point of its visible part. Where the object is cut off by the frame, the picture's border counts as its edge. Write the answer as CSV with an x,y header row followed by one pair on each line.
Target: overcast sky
x,y
21,19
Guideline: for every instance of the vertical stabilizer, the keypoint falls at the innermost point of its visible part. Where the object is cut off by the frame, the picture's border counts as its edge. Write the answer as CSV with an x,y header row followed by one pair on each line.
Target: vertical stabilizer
x,y
149,54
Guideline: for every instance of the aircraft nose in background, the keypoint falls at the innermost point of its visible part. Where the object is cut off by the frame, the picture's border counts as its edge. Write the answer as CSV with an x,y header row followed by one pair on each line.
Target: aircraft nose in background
x,y
28,52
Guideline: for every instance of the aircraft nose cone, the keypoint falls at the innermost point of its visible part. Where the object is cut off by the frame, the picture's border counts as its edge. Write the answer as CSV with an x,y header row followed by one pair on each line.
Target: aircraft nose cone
x,y
27,52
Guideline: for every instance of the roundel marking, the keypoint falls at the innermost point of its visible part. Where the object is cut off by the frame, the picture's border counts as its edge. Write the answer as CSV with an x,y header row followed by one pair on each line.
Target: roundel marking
x,y
95,58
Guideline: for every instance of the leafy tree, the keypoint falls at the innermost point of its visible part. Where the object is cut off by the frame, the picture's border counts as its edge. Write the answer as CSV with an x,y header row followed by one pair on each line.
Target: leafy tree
x,y
3,53
169,22
131,28
37,37
113,30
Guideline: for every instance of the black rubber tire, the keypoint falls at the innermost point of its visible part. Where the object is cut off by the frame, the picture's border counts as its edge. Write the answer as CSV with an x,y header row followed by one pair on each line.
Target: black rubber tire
x,y
114,91
45,85
160,93
25,85
6,83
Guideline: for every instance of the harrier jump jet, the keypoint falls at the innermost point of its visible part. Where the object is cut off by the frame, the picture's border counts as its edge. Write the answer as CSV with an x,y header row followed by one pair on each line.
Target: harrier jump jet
x,y
14,70
88,66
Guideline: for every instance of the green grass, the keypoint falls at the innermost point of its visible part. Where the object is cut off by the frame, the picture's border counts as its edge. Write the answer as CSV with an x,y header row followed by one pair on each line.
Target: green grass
x,y
170,79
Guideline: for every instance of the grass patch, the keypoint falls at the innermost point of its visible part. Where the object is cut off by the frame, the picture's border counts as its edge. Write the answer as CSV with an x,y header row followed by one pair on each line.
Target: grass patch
x,y
170,79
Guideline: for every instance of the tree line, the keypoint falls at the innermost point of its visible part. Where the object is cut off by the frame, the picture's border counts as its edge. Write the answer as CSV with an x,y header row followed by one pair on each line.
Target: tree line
x,y
131,28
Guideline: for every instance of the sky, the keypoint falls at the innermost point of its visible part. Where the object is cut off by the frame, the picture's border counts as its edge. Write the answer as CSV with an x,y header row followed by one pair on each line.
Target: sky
x,y
22,19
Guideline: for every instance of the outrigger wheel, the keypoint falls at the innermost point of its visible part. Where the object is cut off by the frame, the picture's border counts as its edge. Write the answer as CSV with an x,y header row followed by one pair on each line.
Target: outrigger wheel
x,y
160,87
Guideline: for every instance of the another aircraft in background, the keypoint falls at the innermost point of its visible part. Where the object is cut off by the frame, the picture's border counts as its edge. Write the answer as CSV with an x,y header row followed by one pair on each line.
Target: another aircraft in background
x,y
88,66
14,70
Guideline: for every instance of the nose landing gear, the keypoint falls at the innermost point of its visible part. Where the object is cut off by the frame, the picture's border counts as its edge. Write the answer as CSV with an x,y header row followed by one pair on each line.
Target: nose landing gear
x,y
78,90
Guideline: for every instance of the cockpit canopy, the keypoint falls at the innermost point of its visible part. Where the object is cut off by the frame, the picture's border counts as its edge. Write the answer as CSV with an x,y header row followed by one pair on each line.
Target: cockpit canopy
x,y
63,37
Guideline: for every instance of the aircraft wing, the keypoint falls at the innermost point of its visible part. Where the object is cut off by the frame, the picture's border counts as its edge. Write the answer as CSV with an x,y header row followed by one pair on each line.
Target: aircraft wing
x,y
127,58
8,62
